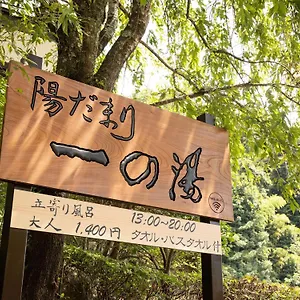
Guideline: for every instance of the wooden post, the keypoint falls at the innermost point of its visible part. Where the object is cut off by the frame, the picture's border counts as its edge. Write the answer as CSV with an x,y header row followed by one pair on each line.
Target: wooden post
x,y
13,241
212,282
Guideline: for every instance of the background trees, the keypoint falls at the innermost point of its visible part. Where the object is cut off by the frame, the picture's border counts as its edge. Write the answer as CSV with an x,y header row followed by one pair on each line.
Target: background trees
x,y
265,235
237,60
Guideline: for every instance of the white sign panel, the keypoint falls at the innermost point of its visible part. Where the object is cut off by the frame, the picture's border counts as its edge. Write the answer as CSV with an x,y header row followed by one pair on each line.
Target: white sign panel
x,y
33,211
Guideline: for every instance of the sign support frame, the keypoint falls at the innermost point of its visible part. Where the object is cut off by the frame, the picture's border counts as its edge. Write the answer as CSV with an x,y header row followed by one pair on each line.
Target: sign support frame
x,y
13,252
13,241
211,265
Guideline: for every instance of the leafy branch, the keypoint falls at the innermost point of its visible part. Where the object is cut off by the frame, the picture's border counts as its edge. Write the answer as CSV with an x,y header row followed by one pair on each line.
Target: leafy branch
x,y
205,91
290,98
163,61
151,257
175,71
225,52
129,38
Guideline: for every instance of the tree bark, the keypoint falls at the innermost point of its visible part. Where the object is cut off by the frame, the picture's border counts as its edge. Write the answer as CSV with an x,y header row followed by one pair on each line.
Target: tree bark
x,y
130,37
43,259
92,14
110,27
68,48
77,54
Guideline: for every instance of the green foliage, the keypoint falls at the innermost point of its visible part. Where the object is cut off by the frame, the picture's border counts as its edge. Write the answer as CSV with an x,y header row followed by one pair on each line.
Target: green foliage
x,y
266,242
2,203
252,289
89,275
237,60
2,184
241,57
31,23
2,96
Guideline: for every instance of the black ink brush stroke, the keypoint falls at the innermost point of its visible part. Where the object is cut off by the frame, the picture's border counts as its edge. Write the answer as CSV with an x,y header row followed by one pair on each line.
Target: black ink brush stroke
x,y
72,151
187,182
151,160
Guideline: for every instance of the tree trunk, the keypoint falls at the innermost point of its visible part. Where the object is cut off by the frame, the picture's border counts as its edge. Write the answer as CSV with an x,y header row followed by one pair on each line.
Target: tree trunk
x,y
43,259
77,54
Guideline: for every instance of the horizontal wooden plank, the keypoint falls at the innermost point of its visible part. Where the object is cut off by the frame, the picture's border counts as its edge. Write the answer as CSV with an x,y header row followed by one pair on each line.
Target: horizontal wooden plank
x,y
59,215
66,135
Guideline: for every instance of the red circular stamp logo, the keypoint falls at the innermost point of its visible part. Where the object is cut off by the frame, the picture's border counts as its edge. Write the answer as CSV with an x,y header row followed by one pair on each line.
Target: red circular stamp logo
x,y
216,202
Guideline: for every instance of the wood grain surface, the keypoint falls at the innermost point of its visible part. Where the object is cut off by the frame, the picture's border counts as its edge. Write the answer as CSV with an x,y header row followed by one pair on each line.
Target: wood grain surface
x,y
33,211
37,133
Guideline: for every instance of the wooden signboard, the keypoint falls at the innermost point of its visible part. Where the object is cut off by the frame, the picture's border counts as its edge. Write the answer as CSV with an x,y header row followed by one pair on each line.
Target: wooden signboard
x,y
66,135
52,214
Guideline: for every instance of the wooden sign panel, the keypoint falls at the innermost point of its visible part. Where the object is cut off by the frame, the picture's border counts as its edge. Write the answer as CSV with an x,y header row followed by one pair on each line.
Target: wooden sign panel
x,y
52,214
66,135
